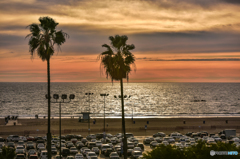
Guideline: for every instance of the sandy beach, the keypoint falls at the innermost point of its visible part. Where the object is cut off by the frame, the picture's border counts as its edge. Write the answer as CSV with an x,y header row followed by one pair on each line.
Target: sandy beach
x,y
72,126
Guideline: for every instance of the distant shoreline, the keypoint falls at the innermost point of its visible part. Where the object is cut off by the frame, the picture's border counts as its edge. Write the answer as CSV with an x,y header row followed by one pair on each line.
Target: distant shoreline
x,y
76,116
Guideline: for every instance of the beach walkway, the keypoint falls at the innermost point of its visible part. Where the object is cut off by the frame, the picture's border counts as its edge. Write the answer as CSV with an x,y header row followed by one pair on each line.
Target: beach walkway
x,y
11,122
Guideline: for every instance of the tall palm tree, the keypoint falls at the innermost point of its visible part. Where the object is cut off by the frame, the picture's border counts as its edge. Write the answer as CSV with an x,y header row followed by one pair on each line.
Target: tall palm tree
x,y
43,38
117,61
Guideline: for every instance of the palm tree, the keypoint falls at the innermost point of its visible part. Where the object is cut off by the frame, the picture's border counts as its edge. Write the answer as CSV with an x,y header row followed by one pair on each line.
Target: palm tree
x,y
116,61
43,38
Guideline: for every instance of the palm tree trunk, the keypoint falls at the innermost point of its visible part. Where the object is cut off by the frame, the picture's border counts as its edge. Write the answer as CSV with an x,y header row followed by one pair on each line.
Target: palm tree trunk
x,y
123,123
49,112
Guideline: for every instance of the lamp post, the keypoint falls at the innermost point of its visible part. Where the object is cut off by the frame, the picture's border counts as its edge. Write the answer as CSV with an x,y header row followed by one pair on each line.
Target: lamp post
x,y
64,96
89,94
104,95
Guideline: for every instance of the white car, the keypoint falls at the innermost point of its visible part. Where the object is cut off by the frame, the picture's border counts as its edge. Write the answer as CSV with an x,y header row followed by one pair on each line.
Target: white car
x,y
20,149
40,145
98,143
79,156
236,139
91,154
43,154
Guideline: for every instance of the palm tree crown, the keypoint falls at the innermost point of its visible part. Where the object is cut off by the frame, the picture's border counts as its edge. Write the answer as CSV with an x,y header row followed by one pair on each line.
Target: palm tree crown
x,y
44,36
117,59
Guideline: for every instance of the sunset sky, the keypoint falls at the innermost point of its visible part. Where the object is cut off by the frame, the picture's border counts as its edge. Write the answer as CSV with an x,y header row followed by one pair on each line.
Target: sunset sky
x,y
175,40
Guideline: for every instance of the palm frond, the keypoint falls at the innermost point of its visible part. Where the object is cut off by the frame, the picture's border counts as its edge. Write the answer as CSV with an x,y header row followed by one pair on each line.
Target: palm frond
x,y
117,65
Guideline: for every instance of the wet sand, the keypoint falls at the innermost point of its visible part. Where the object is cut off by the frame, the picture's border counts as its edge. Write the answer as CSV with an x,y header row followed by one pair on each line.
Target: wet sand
x,y
36,127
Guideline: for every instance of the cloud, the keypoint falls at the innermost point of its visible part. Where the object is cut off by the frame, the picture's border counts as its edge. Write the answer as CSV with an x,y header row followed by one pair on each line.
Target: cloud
x,y
217,59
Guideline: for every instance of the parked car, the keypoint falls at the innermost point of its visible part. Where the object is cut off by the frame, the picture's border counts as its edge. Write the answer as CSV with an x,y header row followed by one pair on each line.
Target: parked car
x,y
95,149
136,154
90,154
169,139
11,144
65,151
43,154
104,147
20,150
147,141
154,144
9,138
79,156
107,152
114,155
20,156
54,150
91,145
33,157
85,151
159,134
91,136
69,145
2,139
32,152
73,150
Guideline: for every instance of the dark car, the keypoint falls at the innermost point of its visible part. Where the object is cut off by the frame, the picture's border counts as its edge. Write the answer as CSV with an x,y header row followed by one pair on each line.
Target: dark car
x,y
79,137
99,136
33,157
129,152
30,138
2,139
38,138
189,134
11,144
108,151
147,141
20,156
30,146
141,146
91,145
84,140
79,145
54,150
65,151
69,136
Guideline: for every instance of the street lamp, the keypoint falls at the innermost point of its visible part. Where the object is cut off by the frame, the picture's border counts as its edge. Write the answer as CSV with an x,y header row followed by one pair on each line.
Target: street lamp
x,y
64,97
104,95
89,112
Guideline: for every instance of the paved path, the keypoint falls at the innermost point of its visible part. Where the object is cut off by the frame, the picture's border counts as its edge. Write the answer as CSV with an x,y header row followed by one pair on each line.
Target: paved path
x,y
11,122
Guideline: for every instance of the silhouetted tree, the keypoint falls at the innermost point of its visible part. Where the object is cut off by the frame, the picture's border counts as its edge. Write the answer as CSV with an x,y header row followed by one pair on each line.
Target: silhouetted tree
x,y
116,61
43,38
7,153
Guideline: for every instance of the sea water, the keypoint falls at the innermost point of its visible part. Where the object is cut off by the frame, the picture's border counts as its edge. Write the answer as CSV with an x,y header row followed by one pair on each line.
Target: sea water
x,y
146,99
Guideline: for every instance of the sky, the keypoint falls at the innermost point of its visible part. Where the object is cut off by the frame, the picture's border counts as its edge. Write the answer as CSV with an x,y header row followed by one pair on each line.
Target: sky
x,y
175,40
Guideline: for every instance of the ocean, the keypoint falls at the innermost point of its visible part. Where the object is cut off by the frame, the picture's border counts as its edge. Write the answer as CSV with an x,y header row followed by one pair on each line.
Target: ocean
x,y
147,99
